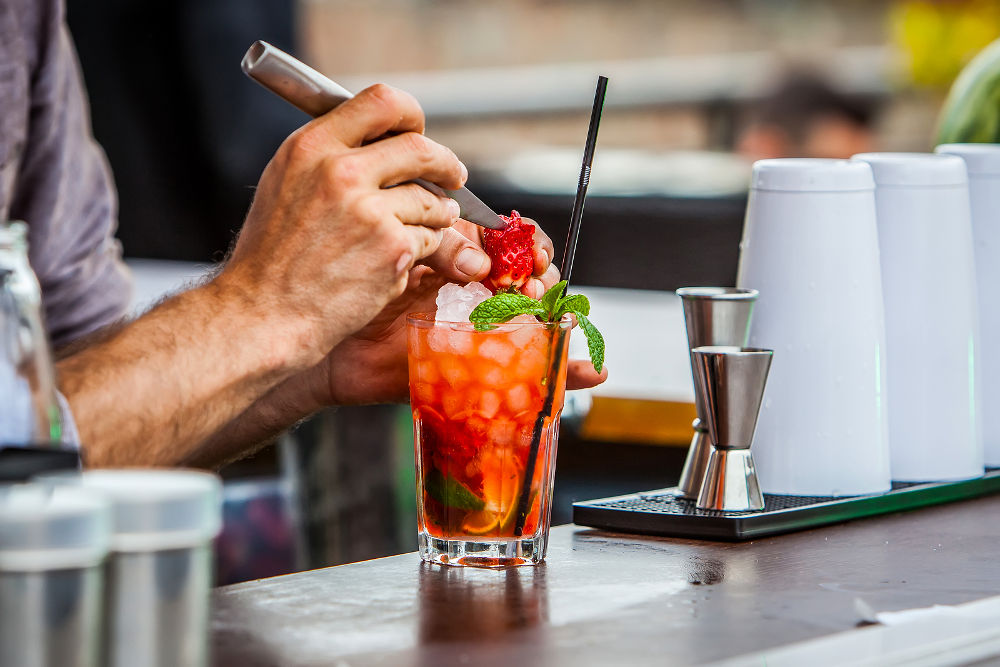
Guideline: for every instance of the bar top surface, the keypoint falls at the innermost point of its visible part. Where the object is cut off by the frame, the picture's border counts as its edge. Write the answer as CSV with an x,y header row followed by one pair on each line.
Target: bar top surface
x,y
610,598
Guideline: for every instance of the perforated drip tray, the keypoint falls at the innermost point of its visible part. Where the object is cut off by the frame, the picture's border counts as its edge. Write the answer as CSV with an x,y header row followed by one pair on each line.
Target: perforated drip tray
x,y
663,512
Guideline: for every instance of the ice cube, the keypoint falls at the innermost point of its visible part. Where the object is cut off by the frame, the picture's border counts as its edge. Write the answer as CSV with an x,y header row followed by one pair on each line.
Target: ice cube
x,y
519,398
453,402
454,372
456,302
527,336
497,350
501,432
427,371
425,392
438,339
493,376
460,342
489,404
531,363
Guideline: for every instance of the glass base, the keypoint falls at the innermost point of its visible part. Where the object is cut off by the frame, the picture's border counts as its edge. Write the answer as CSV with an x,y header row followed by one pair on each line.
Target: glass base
x,y
495,553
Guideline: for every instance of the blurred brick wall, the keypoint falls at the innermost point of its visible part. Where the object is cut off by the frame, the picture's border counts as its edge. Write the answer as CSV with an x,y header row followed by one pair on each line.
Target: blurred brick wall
x,y
368,37
352,36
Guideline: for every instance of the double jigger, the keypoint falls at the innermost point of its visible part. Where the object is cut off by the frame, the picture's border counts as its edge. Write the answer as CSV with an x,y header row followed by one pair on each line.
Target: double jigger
x,y
729,380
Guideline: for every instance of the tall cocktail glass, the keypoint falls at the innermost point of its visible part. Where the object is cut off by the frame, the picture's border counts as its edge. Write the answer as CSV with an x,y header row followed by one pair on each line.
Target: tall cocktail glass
x,y
486,408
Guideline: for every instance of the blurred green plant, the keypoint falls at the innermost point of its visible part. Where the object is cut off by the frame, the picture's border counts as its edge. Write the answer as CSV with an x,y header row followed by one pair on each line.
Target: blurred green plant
x,y
971,113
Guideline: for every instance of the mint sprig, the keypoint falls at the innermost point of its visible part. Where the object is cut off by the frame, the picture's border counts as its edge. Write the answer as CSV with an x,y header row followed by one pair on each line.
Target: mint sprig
x,y
553,305
504,307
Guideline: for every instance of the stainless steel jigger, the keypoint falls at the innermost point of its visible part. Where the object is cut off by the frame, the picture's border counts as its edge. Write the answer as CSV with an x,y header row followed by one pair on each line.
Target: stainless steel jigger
x,y
730,381
713,316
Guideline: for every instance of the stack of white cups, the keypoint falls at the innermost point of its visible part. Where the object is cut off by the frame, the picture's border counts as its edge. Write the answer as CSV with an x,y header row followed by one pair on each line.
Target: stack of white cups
x,y
868,298
929,287
983,164
810,246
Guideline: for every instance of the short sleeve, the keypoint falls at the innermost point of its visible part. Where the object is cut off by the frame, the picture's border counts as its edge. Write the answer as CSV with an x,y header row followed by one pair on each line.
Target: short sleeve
x,y
64,191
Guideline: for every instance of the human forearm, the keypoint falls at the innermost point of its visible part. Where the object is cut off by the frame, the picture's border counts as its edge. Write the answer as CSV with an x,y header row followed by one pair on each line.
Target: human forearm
x,y
155,391
280,408
330,239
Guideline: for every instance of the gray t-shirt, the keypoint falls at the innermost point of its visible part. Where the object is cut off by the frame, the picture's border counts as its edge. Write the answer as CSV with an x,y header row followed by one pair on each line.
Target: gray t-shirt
x,y
54,176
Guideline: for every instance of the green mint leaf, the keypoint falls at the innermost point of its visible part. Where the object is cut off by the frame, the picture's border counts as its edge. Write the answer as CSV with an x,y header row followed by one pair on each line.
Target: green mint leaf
x,y
503,307
450,492
595,341
551,299
574,303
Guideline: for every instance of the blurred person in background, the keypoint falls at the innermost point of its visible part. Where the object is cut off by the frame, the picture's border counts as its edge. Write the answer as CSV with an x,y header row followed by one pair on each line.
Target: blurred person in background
x,y
307,311
805,116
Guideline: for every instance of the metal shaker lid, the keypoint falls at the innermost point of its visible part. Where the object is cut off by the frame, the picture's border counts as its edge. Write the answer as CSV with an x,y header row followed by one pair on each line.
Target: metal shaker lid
x,y
811,175
915,169
156,510
46,528
981,159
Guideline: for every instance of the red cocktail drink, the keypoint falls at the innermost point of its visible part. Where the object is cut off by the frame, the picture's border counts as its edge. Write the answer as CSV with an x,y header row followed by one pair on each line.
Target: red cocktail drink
x,y
486,408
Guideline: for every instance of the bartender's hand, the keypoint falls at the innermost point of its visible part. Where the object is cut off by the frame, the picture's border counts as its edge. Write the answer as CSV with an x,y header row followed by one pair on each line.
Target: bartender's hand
x,y
326,246
327,243
371,366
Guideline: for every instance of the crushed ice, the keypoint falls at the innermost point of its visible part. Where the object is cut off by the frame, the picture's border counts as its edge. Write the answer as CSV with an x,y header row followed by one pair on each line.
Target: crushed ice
x,y
456,302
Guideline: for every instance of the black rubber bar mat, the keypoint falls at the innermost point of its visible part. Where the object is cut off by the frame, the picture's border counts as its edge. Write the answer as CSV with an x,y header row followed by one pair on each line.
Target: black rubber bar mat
x,y
662,512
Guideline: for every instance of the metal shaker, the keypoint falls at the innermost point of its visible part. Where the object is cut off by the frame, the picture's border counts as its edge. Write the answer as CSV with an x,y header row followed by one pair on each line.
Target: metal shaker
x,y
713,316
53,543
159,575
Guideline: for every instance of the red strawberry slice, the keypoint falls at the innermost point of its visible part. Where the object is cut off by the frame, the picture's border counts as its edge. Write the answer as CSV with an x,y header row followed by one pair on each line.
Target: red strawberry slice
x,y
510,250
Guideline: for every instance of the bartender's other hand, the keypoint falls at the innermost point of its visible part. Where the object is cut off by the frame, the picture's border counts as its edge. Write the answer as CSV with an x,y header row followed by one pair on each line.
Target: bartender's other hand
x,y
460,258
371,367
328,243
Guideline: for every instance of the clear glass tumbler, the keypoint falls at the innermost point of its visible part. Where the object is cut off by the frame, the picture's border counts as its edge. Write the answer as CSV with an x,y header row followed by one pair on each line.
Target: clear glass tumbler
x,y
486,408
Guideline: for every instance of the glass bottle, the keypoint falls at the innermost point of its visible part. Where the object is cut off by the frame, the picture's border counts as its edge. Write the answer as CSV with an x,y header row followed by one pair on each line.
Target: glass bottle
x,y
29,407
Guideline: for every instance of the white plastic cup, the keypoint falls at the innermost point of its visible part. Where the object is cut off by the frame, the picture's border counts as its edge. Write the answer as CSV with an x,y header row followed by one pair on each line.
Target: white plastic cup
x,y
53,544
931,325
983,164
810,246
159,576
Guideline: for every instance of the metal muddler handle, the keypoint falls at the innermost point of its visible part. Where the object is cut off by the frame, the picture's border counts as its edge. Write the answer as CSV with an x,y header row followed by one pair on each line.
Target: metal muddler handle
x,y
305,88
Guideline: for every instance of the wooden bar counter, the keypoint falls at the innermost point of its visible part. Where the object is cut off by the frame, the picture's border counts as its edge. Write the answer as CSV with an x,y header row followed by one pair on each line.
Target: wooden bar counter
x,y
614,599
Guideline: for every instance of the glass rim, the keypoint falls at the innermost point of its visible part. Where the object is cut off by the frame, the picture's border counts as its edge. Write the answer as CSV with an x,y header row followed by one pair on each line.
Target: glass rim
x,y
426,321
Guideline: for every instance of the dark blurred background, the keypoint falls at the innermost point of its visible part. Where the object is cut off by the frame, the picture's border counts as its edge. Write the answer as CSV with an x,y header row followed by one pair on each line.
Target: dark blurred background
x,y
699,89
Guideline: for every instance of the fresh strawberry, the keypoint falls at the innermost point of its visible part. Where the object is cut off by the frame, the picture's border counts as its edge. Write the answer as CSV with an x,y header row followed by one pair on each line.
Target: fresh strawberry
x,y
510,250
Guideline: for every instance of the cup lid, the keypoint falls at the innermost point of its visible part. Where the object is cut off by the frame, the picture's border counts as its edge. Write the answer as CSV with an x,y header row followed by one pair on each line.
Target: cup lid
x,y
981,159
155,510
910,169
52,528
811,175
717,293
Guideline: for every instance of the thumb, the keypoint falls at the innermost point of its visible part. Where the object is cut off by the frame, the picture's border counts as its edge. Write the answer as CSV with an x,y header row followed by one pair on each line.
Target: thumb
x,y
458,259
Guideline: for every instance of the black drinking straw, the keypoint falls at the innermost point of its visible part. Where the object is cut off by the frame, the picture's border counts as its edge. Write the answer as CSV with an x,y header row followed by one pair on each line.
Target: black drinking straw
x,y
581,187
524,498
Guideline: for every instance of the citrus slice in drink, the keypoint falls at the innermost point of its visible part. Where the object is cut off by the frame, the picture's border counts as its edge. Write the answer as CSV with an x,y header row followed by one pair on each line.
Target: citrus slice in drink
x,y
483,522
501,485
